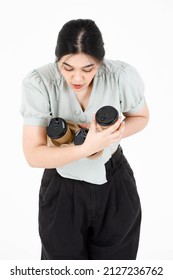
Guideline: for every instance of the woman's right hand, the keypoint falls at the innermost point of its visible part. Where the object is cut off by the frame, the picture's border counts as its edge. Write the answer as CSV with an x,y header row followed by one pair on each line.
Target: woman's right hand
x,y
97,139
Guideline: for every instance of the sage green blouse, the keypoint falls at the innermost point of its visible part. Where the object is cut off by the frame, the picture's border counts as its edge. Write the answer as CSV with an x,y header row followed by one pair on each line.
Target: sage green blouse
x,y
45,95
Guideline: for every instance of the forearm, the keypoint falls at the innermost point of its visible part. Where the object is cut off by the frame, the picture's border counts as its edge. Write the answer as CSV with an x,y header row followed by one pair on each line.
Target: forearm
x,y
38,154
134,124
52,157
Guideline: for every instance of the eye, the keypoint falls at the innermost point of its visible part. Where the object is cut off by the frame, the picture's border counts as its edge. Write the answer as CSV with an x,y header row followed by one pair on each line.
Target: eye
x,y
88,69
68,68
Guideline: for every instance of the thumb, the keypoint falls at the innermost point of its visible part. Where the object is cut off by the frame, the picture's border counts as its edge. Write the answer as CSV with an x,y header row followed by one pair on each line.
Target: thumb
x,y
93,125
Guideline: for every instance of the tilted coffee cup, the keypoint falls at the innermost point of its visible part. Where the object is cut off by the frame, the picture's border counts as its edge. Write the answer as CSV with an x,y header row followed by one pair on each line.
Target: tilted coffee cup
x,y
59,132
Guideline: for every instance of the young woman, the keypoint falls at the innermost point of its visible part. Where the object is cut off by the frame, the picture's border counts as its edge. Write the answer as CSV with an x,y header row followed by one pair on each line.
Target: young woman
x,y
88,208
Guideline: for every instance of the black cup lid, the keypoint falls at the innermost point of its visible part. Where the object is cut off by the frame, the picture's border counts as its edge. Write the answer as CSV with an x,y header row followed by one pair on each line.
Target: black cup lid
x,y
106,116
57,128
80,136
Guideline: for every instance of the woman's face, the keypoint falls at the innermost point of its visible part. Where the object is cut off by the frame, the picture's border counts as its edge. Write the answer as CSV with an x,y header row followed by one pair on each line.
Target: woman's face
x,y
78,70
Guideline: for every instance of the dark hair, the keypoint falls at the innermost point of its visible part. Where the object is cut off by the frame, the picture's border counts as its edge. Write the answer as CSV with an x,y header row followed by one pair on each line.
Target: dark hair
x,y
80,36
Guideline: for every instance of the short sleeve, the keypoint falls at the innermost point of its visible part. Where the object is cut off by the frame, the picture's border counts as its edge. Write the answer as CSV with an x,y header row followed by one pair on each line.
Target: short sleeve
x,y
35,105
131,89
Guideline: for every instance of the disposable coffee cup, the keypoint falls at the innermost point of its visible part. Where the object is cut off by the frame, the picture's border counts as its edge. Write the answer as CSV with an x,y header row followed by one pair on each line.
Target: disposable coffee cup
x,y
59,132
106,116
79,139
80,136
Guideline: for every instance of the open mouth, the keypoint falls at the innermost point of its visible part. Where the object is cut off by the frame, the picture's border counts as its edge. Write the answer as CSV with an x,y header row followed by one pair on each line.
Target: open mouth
x,y
76,86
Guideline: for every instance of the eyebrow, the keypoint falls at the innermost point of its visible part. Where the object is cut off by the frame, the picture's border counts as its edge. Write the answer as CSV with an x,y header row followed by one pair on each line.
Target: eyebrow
x,y
86,66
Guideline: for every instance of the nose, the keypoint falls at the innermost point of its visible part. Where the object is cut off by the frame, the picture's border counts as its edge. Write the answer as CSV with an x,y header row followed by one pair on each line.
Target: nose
x,y
77,77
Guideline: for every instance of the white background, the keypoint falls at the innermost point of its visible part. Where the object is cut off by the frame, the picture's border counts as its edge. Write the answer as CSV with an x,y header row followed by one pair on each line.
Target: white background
x,y
138,32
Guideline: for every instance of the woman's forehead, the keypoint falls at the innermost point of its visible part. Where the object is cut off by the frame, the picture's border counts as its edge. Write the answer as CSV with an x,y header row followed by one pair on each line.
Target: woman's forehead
x,y
78,60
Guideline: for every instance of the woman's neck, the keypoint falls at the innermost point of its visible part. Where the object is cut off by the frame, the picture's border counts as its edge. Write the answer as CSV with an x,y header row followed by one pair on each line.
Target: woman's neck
x,y
83,97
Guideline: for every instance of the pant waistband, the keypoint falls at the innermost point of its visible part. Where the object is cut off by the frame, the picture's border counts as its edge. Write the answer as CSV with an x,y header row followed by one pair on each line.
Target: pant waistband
x,y
115,159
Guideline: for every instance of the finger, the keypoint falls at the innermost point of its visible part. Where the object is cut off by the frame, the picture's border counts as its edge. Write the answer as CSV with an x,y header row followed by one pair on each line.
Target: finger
x,y
93,125
117,134
84,125
113,127
118,122
99,128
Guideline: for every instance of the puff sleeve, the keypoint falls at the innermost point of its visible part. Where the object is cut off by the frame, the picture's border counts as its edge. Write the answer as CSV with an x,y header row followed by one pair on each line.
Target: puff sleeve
x,y
35,105
131,88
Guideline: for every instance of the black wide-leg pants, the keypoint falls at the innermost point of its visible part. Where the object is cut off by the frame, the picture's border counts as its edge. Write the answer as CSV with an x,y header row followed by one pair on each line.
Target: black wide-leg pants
x,y
80,220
